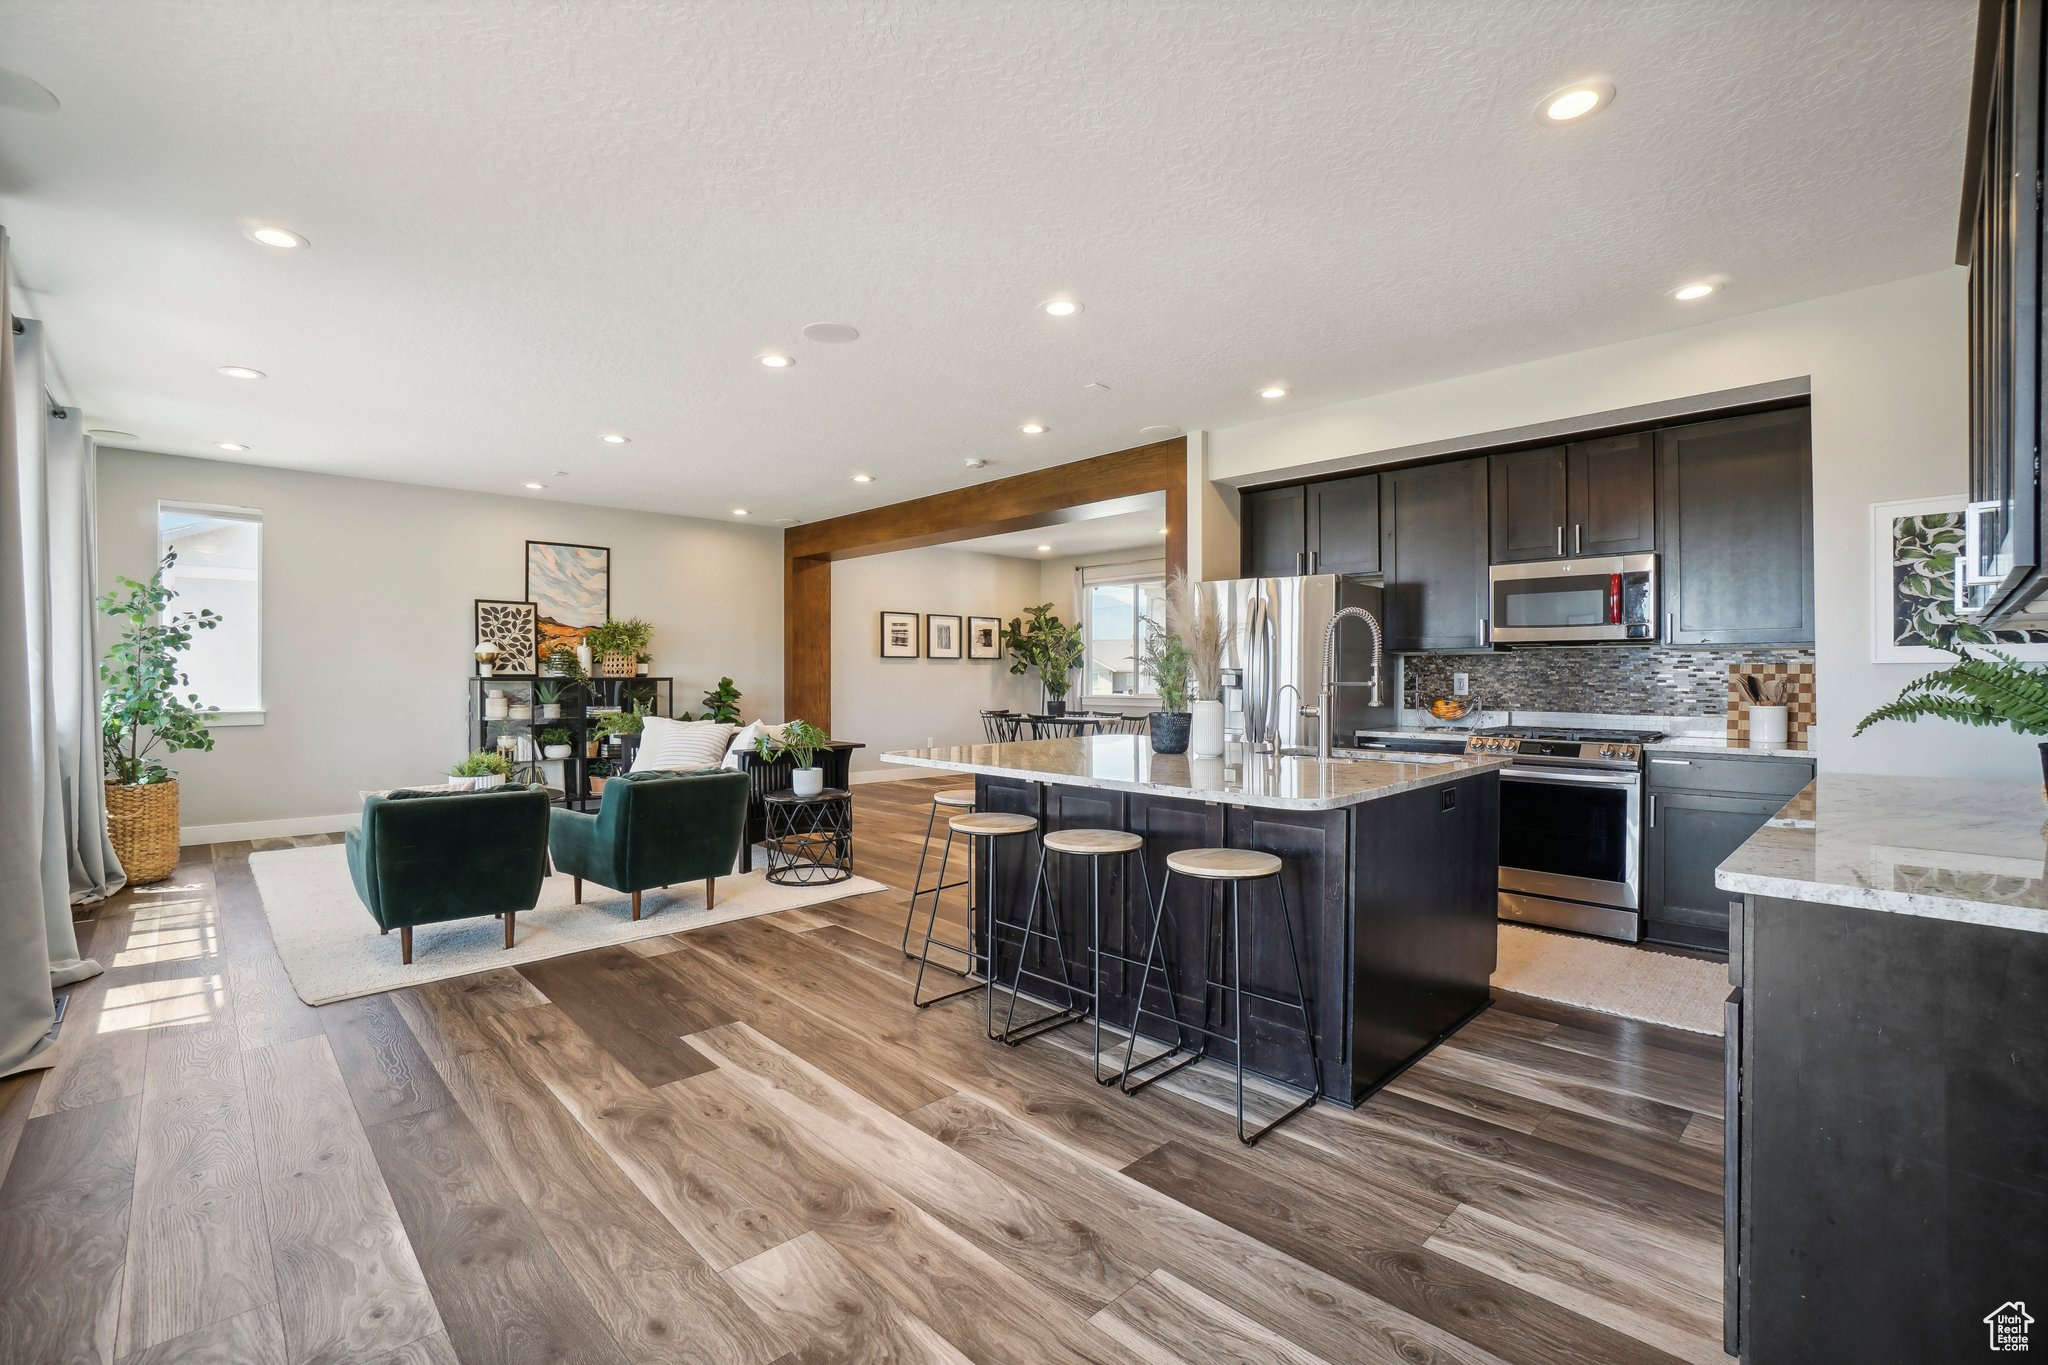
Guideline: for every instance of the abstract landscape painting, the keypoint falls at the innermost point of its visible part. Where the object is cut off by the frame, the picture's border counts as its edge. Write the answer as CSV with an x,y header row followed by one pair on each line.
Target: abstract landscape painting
x,y
570,587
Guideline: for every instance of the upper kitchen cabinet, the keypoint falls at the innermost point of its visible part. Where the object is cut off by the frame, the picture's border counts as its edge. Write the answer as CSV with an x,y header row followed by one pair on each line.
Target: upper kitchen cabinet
x,y
1736,515
1587,498
1275,532
1330,527
1344,525
1433,545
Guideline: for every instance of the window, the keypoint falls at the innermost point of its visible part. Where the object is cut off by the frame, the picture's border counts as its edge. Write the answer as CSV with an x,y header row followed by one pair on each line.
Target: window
x,y
220,566
1115,603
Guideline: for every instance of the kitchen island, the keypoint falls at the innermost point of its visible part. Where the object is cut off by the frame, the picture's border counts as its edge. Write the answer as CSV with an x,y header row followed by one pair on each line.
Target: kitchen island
x,y
1390,870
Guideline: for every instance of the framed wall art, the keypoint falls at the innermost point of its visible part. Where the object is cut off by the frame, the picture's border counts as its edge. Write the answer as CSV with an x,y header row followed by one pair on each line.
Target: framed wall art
x,y
941,636
984,637
899,635
570,587
1913,549
511,626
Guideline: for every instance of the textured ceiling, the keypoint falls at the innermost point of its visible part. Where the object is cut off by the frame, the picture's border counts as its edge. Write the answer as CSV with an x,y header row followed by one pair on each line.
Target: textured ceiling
x,y
533,223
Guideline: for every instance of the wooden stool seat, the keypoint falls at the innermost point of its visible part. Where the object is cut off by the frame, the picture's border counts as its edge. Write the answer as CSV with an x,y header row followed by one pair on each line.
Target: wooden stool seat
x,y
1223,864
961,798
993,823
1093,842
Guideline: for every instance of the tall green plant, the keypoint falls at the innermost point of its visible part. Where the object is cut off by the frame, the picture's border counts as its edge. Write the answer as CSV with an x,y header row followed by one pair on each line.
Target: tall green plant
x,y
1168,661
141,713
1041,641
1996,691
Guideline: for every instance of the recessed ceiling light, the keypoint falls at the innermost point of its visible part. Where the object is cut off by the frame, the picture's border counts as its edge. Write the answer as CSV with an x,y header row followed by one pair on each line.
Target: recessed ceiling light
x,y
863,478
25,96
975,462
234,447
1060,308
536,487
612,438
1273,391
241,372
1159,433
111,434
831,333
739,511
1045,549
775,360
269,234
1034,428
1687,293
1574,102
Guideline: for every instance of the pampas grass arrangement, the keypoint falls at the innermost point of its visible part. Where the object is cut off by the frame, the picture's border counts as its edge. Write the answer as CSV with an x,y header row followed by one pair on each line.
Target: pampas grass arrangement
x,y
1196,620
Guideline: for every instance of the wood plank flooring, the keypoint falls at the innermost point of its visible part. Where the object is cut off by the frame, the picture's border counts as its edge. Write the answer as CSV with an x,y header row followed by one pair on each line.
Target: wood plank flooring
x,y
741,1146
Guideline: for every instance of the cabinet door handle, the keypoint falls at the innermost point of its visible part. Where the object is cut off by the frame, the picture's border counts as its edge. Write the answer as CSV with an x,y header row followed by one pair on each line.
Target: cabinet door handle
x,y
1653,810
1673,762
1560,538
1670,632
1311,561
1578,539
1298,556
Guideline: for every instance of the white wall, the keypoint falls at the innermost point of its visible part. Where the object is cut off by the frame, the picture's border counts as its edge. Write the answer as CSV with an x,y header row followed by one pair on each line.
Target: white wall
x,y
367,614
909,703
1888,368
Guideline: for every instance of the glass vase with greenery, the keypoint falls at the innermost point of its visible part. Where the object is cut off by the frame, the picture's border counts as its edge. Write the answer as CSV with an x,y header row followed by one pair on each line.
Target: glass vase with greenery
x,y
1040,641
143,717
1993,690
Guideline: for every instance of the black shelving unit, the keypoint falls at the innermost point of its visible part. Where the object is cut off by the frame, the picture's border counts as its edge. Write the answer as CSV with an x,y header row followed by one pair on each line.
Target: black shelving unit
x,y
583,700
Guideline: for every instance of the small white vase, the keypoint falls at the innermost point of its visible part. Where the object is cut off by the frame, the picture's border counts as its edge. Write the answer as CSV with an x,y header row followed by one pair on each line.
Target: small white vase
x,y
1205,729
583,659
550,710
807,781
520,711
461,784
487,781
497,707
555,751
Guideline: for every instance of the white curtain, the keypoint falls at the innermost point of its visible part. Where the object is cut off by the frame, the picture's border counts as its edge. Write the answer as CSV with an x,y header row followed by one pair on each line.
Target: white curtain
x,y
94,872
38,948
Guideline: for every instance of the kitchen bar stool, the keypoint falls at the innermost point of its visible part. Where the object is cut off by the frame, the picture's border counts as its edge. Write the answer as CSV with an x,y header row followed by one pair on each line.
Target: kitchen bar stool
x,y
1094,845
987,826
952,798
1231,868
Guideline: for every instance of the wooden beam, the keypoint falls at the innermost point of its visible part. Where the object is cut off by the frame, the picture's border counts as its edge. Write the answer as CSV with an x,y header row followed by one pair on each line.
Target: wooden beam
x,y
1042,497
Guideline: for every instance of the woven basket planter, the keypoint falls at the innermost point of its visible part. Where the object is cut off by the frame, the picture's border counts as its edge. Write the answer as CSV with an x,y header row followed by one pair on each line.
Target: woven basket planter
x,y
616,666
143,823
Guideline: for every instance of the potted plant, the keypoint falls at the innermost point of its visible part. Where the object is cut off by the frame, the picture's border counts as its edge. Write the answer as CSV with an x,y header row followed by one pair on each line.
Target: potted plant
x,y
1196,621
556,742
618,644
480,770
722,703
642,663
1167,660
616,725
548,694
563,663
1043,642
800,741
142,716
1999,690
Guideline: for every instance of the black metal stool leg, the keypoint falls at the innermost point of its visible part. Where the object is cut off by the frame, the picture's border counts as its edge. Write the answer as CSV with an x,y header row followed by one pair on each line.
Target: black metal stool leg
x,y
1154,947
925,957
930,822
1308,1019
1041,892
1308,1028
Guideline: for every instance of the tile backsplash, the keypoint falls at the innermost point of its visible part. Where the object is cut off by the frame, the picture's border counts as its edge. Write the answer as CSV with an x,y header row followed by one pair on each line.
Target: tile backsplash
x,y
1614,679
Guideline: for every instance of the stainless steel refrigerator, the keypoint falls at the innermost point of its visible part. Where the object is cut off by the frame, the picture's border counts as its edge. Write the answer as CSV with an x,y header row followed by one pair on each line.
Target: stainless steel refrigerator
x,y
1272,656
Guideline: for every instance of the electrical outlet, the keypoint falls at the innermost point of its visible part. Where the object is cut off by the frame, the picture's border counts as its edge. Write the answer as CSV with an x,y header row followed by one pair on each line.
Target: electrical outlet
x,y
1461,684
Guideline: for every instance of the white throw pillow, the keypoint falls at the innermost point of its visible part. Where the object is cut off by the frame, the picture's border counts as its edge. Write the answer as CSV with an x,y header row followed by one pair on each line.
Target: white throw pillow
x,y
743,742
667,744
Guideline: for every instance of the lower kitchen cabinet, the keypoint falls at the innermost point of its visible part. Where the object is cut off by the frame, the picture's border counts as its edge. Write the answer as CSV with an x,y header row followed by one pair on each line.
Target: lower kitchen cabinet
x,y
1700,810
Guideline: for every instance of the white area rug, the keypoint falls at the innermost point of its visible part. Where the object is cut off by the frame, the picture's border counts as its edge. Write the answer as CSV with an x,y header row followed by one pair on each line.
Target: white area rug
x,y
1635,983
333,951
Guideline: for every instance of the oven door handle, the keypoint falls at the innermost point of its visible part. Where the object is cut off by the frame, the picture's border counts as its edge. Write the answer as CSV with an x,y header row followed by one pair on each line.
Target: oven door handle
x,y
1583,779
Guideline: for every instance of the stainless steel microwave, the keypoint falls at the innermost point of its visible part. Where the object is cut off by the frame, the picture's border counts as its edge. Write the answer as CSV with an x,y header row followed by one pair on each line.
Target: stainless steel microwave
x,y
1602,598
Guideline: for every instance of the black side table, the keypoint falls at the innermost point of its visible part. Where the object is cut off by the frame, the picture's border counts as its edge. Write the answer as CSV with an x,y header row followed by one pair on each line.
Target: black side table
x,y
809,838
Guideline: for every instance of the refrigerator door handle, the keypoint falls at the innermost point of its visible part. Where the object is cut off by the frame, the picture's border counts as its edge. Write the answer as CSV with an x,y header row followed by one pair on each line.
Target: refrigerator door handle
x,y
1258,669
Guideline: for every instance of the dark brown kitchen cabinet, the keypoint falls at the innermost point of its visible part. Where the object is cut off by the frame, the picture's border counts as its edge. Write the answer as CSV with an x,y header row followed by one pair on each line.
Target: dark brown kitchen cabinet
x,y
1275,532
1330,527
1701,810
1529,504
1735,516
1433,546
1344,525
1611,496
1587,498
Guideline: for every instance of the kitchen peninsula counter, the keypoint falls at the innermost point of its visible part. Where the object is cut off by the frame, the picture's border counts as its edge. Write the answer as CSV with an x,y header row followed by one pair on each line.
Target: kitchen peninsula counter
x,y
1390,871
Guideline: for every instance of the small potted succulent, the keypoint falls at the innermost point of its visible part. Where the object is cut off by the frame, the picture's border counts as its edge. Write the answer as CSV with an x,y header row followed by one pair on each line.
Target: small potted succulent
x,y
1168,661
642,663
482,769
556,742
547,696
800,741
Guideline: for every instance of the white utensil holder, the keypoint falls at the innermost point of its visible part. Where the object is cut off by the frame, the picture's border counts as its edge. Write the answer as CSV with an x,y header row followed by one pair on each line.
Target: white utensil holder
x,y
1767,725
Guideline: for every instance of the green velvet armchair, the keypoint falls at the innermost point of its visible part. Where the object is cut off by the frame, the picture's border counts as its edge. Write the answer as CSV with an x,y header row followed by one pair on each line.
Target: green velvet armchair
x,y
655,829
427,858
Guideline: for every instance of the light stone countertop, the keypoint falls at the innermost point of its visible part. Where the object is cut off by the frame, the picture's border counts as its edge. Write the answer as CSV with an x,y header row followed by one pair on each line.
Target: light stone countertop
x,y
1127,763
1711,743
1973,852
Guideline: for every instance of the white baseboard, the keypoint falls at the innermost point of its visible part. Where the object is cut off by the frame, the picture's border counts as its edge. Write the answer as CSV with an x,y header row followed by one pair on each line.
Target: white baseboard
x,y
264,829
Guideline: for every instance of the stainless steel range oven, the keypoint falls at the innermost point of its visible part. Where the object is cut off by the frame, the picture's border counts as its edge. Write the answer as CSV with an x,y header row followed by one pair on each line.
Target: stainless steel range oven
x,y
1571,828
